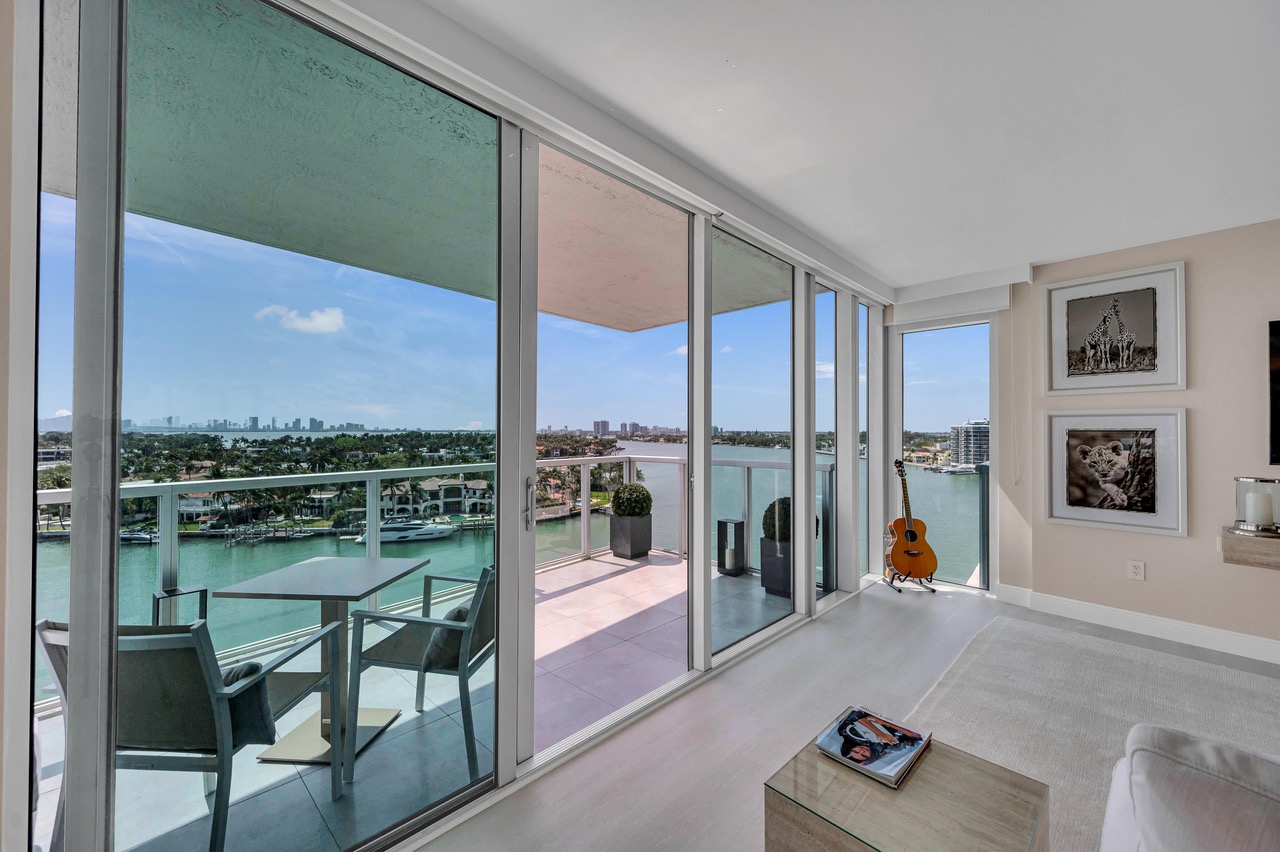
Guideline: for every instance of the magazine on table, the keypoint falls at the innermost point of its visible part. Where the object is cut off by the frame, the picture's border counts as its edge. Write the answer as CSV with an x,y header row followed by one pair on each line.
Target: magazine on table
x,y
873,744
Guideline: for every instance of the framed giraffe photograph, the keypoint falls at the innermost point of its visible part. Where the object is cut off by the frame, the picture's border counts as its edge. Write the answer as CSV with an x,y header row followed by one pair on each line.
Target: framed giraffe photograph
x,y
1124,331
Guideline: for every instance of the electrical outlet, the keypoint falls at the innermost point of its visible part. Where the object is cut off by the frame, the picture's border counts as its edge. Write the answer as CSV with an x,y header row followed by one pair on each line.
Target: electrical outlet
x,y
1136,570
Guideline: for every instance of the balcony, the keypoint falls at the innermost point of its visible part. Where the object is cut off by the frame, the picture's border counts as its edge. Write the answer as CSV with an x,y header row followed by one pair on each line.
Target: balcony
x,y
608,631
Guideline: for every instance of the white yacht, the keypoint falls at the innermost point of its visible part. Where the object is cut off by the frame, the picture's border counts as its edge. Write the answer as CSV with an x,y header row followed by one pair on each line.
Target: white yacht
x,y
405,529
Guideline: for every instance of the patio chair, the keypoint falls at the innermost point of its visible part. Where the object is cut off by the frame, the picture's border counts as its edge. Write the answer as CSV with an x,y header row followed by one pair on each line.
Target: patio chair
x,y
177,711
456,646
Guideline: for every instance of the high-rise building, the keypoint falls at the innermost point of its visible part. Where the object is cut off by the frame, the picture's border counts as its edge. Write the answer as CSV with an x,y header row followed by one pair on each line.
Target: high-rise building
x,y
971,443
316,425
297,424
253,424
600,428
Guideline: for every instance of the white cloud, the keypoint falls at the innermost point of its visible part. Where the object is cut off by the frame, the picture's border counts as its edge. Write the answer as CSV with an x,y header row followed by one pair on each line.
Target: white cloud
x,y
679,350
726,348
474,425
319,321
62,412
825,370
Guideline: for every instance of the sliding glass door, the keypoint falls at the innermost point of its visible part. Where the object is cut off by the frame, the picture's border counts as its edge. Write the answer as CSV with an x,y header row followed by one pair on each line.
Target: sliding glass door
x,y
611,447
308,337
751,493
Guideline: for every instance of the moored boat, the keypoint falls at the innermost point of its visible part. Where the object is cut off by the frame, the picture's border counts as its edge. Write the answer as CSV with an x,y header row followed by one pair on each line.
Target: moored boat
x,y
400,529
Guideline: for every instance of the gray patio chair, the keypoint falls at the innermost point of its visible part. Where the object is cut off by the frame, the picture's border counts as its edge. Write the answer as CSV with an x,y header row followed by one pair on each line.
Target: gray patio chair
x,y
456,645
177,711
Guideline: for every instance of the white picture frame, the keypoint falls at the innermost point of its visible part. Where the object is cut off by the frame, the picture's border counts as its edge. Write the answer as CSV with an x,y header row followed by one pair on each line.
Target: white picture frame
x,y
1142,455
1153,302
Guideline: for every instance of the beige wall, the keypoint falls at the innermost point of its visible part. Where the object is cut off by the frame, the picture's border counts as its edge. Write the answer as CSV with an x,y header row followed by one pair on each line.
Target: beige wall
x,y
1232,289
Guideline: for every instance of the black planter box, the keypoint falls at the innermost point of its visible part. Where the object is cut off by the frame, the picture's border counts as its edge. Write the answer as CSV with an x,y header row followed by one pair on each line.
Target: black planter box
x,y
775,566
630,538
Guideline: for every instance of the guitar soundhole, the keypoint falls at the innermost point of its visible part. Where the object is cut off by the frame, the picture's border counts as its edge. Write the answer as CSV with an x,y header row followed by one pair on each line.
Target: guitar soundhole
x,y
912,536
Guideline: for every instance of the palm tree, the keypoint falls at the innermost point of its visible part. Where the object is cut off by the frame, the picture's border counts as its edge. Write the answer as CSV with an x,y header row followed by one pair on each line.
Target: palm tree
x,y
417,495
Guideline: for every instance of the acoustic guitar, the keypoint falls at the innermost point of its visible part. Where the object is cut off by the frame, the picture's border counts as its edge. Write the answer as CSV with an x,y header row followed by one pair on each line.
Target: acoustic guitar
x,y
908,556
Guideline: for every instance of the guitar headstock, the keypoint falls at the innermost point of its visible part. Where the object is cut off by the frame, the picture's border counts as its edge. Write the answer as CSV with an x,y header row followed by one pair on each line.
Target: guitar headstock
x,y
899,468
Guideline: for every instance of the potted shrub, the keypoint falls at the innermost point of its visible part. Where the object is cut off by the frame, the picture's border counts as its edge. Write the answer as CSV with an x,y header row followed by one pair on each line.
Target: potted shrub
x,y
775,547
631,526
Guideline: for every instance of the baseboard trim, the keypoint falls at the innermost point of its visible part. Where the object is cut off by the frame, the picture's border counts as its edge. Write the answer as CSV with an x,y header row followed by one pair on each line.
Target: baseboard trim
x,y
1213,638
1016,595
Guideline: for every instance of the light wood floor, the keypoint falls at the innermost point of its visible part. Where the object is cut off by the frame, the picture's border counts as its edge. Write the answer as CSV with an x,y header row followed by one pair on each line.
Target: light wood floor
x,y
690,775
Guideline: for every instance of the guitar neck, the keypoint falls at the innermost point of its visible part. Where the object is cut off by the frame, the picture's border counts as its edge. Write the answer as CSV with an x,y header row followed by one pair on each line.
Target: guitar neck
x,y
906,502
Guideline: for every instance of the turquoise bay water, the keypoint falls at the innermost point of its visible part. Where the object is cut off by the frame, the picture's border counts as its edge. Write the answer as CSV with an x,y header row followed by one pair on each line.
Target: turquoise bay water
x,y
949,507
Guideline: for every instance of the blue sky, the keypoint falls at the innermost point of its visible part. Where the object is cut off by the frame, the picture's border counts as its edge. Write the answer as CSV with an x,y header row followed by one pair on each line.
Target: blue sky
x,y
945,377
218,328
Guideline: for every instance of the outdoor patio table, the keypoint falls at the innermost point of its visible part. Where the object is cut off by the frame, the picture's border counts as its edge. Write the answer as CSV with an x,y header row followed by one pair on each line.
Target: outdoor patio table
x,y
336,582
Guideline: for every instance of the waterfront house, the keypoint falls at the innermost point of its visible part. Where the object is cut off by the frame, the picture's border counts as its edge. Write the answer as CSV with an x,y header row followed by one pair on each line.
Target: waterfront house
x,y
436,496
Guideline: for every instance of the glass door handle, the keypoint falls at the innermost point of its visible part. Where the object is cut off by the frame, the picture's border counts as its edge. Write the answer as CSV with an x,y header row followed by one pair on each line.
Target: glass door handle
x,y
529,503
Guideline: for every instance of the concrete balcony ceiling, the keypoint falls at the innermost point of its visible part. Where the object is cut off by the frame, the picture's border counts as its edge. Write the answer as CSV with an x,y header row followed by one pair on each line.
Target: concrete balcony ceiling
x,y
246,123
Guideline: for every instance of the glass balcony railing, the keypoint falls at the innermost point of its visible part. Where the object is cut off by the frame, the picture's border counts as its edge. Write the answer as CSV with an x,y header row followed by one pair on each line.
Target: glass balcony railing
x,y
214,533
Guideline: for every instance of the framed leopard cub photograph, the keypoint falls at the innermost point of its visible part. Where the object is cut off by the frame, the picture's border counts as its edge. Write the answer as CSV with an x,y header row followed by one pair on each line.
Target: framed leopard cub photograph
x,y
1122,470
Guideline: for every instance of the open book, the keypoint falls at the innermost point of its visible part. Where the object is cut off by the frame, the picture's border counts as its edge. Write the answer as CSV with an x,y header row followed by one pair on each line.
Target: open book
x,y
873,745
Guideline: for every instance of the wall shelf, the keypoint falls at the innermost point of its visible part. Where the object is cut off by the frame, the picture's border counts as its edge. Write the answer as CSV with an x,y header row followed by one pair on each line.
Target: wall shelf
x,y
1250,550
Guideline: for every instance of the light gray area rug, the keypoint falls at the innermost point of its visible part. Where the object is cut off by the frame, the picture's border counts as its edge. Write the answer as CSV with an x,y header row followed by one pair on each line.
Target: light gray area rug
x,y
1056,706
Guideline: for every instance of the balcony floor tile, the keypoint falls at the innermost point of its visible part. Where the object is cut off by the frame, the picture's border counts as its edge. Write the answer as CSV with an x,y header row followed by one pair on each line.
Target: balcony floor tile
x,y
561,709
622,673
390,784
627,618
567,641
283,817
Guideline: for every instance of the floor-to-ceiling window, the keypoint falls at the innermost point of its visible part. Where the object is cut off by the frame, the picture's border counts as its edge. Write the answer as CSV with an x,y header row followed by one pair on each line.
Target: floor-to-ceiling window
x,y
946,443
309,380
751,436
309,341
611,446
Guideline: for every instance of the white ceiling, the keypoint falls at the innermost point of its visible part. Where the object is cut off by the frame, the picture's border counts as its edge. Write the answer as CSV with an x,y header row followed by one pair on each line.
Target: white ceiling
x,y
930,140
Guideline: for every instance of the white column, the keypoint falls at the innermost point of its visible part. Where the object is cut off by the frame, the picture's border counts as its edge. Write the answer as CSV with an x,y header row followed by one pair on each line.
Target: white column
x,y
90,781
881,423
21,67
699,483
803,508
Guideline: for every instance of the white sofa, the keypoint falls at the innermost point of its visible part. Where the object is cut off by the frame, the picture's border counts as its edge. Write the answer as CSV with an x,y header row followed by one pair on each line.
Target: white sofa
x,y
1173,792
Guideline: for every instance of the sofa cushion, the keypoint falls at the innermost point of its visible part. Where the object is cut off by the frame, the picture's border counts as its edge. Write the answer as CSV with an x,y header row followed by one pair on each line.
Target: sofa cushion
x,y
1190,793
1119,827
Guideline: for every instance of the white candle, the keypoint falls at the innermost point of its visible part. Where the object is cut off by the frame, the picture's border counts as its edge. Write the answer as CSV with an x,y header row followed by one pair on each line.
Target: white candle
x,y
1257,509
730,558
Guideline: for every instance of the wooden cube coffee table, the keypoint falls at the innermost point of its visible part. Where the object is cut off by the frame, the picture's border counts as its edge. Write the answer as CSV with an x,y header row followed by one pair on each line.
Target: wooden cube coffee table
x,y
950,800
